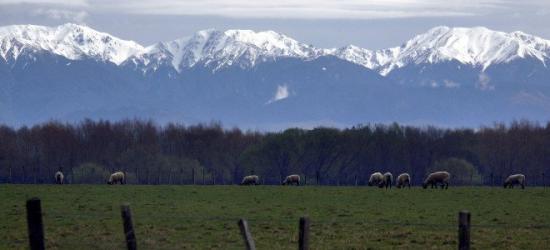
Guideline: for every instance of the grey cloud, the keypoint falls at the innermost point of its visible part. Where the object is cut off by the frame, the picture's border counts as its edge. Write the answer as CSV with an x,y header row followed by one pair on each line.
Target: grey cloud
x,y
299,9
77,16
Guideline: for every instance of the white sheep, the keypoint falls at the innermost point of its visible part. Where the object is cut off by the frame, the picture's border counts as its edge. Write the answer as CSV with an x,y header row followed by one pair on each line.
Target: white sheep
x,y
440,177
515,179
59,177
403,180
376,179
292,179
250,180
117,177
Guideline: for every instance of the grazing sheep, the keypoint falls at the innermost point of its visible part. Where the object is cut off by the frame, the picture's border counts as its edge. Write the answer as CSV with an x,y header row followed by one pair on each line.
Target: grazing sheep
x,y
516,179
440,177
376,179
292,179
117,177
250,180
403,180
388,180
59,177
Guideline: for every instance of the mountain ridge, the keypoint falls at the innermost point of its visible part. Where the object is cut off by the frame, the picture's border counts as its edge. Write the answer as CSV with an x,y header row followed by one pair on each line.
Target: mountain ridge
x,y
476,46
446,76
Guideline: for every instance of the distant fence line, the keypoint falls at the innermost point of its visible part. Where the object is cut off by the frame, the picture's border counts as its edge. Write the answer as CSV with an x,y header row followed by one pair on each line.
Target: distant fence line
x,y
205,177
36,227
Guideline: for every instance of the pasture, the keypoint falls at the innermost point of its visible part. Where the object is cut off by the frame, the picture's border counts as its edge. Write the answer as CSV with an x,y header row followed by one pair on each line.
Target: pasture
x,y
205,217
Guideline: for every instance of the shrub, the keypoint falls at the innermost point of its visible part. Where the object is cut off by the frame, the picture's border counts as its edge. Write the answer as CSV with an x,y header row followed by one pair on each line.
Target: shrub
x,y
89,173
462,172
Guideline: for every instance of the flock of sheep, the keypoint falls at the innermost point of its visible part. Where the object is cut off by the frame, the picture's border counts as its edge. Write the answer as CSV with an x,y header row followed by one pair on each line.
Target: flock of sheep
x,y
376,179
403,180
116,177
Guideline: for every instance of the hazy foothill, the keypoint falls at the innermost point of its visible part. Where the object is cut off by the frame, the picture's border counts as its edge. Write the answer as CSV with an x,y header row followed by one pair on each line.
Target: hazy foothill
x,y
265,80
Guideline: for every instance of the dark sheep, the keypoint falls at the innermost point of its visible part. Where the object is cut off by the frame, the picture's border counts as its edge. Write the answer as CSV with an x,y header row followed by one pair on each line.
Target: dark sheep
x,y
440,177
59,178
250,180
292,179
516,179
376,179
387,181
403,180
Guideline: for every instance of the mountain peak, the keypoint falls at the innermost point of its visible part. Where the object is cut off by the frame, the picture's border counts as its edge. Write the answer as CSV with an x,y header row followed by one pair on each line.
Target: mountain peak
x,y
69,40
477,46
231,47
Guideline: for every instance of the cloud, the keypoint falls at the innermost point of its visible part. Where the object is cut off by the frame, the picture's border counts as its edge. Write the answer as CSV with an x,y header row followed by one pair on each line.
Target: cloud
x,y
483,82
302,9
299,9
74,3
450,84
542,12
77,16
280,94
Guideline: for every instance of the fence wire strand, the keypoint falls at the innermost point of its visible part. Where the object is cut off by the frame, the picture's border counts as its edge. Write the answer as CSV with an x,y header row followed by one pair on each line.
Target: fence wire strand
x,y
325,221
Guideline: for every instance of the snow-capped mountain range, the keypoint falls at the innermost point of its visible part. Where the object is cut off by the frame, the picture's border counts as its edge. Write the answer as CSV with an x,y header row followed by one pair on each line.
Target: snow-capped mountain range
x,y
476,46
261,64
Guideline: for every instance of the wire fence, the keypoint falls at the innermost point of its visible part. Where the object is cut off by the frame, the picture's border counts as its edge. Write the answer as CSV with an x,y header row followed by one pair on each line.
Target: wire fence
x,y
279,220
204,176
465,228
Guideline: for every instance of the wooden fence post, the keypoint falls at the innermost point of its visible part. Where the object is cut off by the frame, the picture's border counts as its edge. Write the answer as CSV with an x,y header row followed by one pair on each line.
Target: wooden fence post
x,y
464,230
304,234
247,236
128,226
34,224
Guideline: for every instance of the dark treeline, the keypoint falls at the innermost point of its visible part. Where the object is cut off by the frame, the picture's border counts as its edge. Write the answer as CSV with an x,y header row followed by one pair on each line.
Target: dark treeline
x,y
89,151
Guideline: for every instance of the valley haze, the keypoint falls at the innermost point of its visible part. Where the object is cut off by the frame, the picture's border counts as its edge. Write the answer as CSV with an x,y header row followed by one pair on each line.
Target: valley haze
x,y
265,80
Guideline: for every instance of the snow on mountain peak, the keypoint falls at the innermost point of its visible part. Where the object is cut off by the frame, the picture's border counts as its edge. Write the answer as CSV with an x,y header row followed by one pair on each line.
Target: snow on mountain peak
x,y
225,48
271,42
477,46
367,58
69,40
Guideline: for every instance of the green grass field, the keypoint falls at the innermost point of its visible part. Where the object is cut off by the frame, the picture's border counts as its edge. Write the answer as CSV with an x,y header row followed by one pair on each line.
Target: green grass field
x,y
199,217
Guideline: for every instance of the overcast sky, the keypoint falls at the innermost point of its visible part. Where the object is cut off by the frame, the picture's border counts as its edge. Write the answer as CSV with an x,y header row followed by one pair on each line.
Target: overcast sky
x,y
370,24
